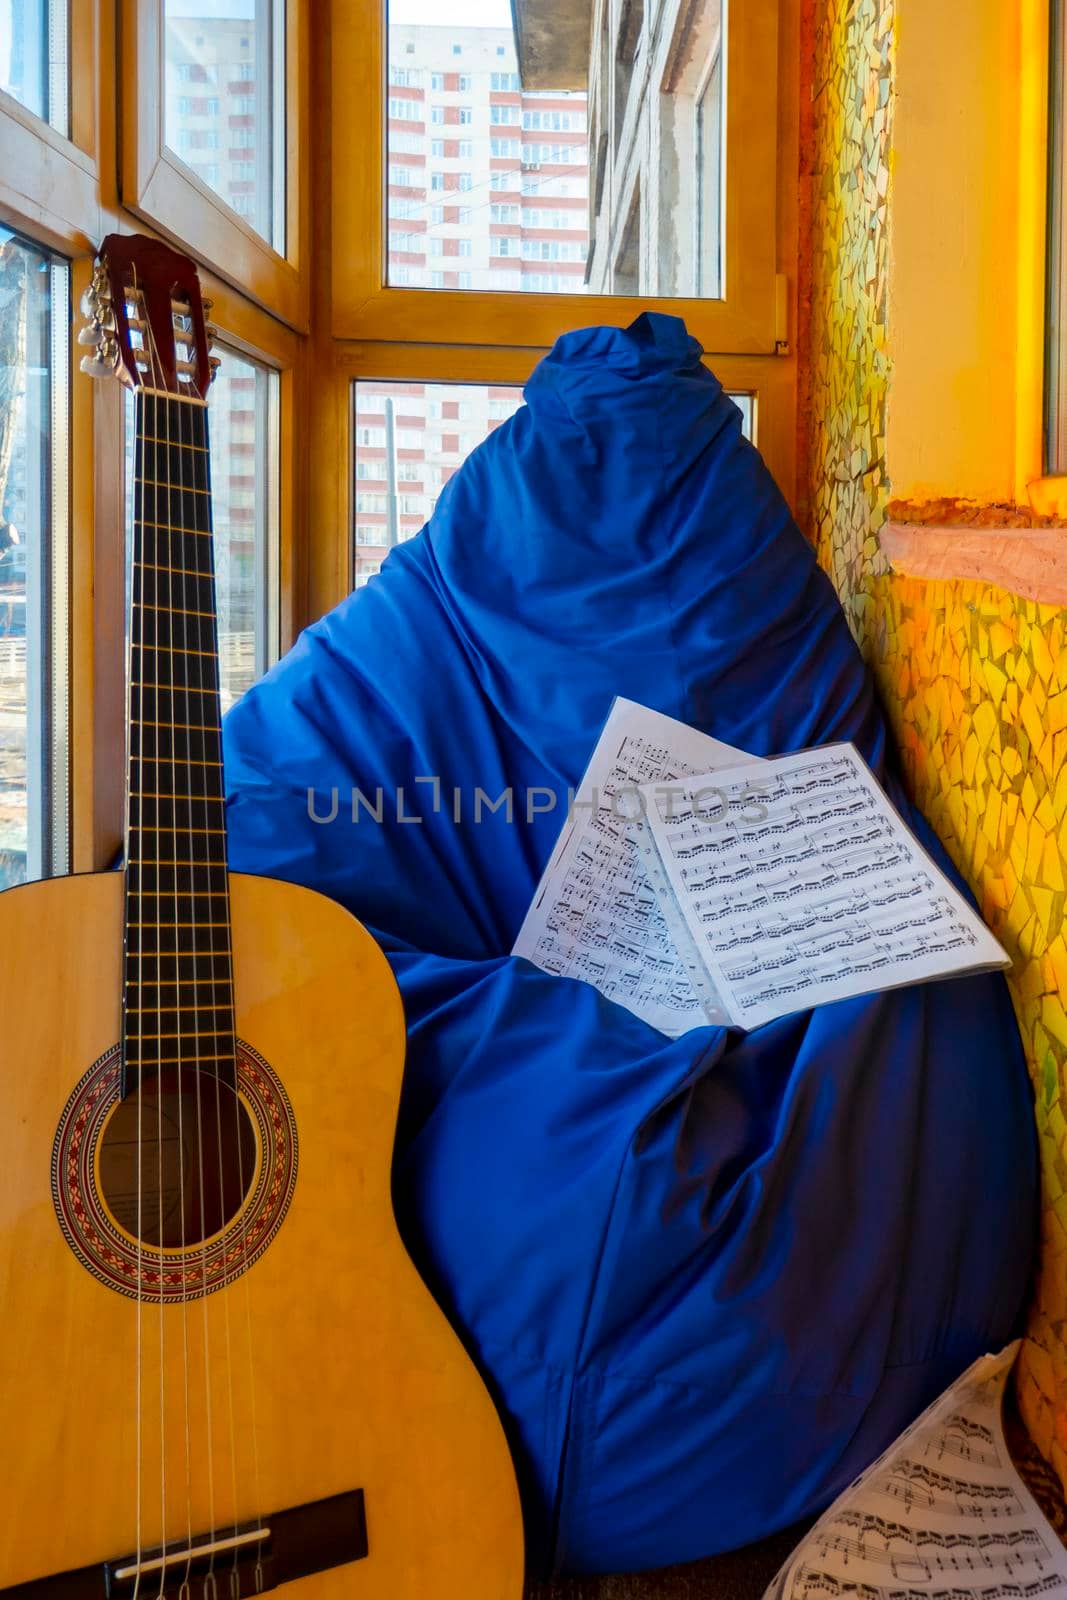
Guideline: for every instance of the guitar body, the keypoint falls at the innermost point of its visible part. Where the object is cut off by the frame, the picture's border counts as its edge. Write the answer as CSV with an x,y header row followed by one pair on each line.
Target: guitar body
x,y
318,1366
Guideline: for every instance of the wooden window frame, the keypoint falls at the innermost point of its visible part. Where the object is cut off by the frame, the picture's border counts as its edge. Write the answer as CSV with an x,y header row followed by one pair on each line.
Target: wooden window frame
x,y
50,182
746,322
158,186
332,483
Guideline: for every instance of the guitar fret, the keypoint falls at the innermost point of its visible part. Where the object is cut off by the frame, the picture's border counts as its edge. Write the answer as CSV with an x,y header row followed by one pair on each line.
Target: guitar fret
x,y
170,527
172,444
134,1011
136,828
176,611
188,1033
183,1061
173,650
183,761
175,861
182,488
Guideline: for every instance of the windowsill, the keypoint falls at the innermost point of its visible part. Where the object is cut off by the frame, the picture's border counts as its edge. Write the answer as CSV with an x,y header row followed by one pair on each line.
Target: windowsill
x,y
1031,562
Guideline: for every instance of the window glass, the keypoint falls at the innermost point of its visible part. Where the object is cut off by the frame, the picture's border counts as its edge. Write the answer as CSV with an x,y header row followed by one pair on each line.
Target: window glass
x,y
33,57
244,483
410,438
34,355
225,103
243,422
605,159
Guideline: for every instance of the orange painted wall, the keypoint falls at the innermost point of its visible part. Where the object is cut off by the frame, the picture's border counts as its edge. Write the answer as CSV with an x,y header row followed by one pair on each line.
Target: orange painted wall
x,y
974,679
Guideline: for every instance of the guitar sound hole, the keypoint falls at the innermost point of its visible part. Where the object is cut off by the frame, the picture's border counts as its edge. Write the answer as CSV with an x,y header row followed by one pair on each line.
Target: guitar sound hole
x,y
192,1144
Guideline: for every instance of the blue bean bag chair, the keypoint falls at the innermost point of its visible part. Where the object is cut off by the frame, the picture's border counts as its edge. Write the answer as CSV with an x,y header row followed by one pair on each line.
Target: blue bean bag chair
x,y
707,1280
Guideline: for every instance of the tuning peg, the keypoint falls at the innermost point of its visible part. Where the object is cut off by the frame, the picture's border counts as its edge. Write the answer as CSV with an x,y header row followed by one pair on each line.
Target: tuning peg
x,y
97,367
208,306
89,302
92,333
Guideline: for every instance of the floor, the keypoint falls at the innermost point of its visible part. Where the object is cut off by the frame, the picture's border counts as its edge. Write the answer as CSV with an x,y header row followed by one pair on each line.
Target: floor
x,y
741,1575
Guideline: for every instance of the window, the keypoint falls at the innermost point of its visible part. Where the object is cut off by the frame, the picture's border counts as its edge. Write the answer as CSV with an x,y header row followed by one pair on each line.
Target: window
x,y
33,59
464,247
437,147
480,407
500,213
437,80
405,77
34,286
437,182
664,112
407,144
203,48
466,182
466,149
402,177
437,115
709,185
457,49
406,110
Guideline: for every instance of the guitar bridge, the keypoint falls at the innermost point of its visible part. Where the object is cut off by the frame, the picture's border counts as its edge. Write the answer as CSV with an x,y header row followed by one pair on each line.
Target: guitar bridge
x,y
235,1565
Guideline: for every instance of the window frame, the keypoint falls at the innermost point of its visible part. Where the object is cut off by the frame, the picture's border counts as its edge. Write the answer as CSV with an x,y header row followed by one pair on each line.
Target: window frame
x,y
747,321
48,752
157,185
333,484
49,181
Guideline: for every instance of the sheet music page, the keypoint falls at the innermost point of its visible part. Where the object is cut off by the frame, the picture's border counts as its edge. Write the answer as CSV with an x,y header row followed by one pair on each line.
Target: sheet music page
x,y
943,1512
800,884
595,915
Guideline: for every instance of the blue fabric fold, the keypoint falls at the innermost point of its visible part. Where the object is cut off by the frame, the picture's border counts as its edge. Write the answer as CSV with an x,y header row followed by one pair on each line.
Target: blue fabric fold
x,y
706,1280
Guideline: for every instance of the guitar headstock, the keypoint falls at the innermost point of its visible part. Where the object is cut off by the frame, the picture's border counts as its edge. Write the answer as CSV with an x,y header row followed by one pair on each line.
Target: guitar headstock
x,y
145,319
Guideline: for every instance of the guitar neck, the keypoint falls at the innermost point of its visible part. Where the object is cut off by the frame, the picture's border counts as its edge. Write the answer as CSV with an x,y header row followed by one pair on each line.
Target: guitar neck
x,y
178,993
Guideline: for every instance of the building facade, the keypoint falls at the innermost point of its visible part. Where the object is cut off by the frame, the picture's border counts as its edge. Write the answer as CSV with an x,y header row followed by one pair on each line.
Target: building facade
x,y
655,74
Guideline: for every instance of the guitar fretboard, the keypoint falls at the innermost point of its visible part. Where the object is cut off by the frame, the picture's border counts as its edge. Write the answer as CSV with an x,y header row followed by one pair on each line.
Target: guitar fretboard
x,y
178,992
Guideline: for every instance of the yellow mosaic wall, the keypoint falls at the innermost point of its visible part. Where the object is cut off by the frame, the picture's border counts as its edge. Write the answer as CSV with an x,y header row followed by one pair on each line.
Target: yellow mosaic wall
x,y
845,177
974,679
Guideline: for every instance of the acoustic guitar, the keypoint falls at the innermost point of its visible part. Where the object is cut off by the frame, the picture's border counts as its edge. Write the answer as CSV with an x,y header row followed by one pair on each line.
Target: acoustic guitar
x,y
219,1370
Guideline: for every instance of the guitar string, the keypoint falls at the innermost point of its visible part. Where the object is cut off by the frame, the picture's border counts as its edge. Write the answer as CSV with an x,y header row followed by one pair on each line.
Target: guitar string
x,y
194,566
138,491
228,964
228,937
200,1159
213,956
150,347
182,1082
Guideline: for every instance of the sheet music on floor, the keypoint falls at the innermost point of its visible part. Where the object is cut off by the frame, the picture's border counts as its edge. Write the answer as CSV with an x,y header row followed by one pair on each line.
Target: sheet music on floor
x,y
595,914
799,884
942,1513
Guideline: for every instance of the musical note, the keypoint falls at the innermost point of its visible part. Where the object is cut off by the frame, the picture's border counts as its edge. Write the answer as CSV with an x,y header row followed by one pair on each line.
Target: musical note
x,y
963,1526
803,885
596,915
